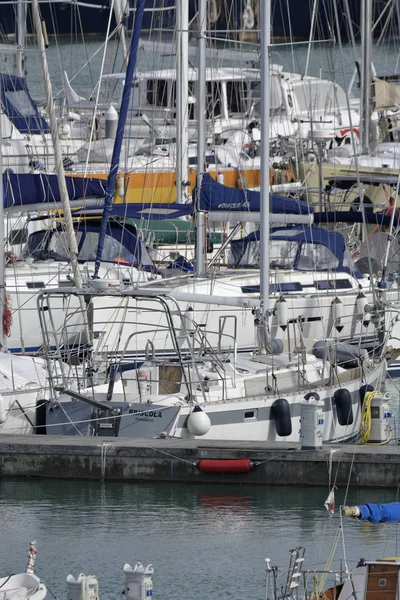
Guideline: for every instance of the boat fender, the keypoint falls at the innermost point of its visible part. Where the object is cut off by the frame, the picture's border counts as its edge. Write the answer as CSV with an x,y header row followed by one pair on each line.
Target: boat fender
x,y
243,465
344,409
41,410
198,422
280,411
337,312
276,346
363,390
281,312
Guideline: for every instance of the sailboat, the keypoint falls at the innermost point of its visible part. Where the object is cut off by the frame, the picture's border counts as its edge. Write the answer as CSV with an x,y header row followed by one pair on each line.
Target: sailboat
x,y
197,390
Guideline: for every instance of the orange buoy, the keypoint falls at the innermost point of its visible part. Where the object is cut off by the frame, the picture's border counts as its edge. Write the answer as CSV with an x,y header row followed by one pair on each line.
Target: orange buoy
x,y
243,465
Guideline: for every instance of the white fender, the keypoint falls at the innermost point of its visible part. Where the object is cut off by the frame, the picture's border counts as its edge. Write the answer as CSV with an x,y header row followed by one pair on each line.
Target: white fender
x,y
337,312
198,422
281,311
361,303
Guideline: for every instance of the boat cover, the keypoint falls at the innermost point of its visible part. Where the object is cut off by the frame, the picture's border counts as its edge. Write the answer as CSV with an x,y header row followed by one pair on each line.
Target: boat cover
x,y
219,197
19,106
314,236
23,189
380,513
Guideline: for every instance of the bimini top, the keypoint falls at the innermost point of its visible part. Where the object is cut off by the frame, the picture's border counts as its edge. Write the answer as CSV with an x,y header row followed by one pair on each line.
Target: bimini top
x,y
123,246
19,106
298,248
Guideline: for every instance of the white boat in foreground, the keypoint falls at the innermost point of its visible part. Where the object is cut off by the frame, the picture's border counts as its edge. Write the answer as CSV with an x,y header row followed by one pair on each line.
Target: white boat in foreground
x,y
196,390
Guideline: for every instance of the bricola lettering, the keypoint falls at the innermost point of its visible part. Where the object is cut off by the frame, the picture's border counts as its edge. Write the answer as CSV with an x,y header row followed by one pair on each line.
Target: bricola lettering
x,y
148,413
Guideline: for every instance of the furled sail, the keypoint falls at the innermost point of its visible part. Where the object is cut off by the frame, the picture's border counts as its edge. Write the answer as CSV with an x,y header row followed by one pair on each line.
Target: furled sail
x,y
375,513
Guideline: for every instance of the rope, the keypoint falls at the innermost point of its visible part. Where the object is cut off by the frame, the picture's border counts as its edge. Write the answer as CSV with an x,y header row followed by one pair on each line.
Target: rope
x,y
366,421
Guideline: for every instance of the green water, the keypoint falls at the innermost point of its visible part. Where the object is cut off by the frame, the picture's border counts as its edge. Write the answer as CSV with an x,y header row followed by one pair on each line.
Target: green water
x,y
204,541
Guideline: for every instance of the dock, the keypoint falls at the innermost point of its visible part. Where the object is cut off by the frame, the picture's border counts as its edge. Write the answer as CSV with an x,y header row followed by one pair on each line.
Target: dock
x,y
177,460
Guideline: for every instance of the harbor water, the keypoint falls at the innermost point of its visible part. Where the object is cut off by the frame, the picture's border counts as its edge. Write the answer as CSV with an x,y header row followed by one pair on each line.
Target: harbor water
x,y
205,541
85,61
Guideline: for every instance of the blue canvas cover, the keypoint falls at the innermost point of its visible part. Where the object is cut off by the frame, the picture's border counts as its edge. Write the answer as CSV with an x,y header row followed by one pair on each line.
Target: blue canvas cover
x,y
215,196
334,241
37,188
380,513
19,106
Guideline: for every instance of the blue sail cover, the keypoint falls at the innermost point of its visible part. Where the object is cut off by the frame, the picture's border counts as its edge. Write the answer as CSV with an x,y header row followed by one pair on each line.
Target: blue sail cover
x,y
380,513
19,106
215,196
37,188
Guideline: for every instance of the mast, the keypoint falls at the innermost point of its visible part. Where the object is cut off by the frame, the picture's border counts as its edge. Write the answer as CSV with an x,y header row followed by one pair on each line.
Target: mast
x,y
21,34
2,267
365,99
123,114
265,34
182,90
69,228
201,133
119,18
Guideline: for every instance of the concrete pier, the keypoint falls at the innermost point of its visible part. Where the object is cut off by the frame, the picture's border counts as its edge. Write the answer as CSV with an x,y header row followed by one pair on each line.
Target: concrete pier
x,y
125,459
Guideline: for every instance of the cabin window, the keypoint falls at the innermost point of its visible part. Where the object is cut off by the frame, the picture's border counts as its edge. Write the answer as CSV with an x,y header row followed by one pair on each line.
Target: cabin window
x,y
112,250
17,236
36,245
316,257
213,101
283,253
250,415
157,93
237,96
382,582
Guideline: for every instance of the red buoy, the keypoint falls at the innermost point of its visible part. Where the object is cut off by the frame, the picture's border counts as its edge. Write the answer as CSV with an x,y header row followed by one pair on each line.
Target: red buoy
x,y
243,465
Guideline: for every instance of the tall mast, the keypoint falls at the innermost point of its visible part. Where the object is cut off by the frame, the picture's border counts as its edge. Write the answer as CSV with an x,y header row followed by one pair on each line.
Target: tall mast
x,y
69,228
201,134
119,18
182,90
365,108
127,94
21,34
2,269
265,34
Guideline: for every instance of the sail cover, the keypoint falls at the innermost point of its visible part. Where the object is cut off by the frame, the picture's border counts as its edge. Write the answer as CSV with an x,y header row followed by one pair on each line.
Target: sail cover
x,y
37,188
215,196
19,106
380,513
154,211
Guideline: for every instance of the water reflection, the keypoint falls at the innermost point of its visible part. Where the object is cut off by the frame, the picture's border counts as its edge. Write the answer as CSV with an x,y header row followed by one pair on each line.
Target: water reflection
x,y
202,540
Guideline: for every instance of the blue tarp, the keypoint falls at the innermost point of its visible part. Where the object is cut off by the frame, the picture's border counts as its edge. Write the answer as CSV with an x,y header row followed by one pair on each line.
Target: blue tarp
x,y
380,513
215,196
36,188
19,106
